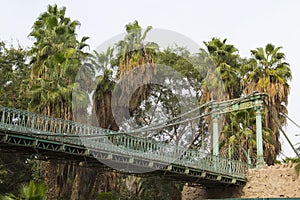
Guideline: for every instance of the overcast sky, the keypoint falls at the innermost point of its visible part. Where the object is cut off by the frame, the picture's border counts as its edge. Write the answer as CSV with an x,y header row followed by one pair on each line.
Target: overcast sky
x,y
246,24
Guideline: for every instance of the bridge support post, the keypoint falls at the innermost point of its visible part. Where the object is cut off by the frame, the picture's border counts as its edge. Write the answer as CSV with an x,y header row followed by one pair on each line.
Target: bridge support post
x,y
215,119
259,139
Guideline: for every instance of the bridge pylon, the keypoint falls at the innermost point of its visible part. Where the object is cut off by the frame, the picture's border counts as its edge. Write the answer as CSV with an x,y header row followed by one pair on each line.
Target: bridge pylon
x,y
255,101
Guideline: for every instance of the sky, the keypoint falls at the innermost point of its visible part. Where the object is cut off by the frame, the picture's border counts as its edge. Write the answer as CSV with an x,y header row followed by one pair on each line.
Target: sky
x,y
246,24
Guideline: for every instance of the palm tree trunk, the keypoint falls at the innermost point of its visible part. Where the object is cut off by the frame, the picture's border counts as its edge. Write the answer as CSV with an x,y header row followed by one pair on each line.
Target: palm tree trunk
x,y
50,179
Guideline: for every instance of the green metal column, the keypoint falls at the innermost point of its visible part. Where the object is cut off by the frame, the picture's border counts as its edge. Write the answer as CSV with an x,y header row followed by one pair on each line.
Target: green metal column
x,y
259,139
215,134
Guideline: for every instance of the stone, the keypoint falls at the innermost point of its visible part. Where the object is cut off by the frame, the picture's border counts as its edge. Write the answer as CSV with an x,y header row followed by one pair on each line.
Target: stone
x,y
284,165
290,164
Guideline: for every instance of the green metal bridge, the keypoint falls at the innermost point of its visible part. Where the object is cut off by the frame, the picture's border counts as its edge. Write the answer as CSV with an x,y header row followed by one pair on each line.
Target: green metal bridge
x,y
27,132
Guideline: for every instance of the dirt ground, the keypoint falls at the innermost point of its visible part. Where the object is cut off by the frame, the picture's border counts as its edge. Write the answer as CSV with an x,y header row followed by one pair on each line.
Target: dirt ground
x,y
271,181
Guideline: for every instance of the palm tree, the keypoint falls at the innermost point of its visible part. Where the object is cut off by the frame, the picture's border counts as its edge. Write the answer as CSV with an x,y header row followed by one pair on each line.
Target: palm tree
x,y
55,59
269,73
32,191
134,53
56,56
225,60
238,136
222,82
103,93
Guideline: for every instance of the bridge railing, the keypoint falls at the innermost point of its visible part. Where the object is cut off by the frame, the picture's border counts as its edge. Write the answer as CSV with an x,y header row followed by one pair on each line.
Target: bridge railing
x,y
28,122
101,139
166,153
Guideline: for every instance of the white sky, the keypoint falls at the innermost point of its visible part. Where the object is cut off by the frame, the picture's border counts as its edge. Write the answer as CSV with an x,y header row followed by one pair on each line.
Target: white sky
x,y
246,24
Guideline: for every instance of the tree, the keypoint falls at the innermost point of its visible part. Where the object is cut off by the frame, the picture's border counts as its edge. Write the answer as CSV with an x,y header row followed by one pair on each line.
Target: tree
x,y
15,170
179,92
134,53
103,92
14,76
55,58
29,192
269,73
14,71
222,64
226,64
238,136
159,188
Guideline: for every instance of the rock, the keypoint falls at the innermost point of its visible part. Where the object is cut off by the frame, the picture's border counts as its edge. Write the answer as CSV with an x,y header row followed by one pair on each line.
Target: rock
x,y
284,165
290,164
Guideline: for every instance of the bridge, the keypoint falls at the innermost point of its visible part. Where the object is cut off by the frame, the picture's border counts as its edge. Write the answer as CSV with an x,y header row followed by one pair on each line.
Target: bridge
x,y
31,133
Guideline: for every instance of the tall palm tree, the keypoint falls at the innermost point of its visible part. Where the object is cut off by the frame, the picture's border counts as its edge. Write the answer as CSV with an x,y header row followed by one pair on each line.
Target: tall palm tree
x,y
225,61
131,53
103,93
55,58
269,73
222,63
134,53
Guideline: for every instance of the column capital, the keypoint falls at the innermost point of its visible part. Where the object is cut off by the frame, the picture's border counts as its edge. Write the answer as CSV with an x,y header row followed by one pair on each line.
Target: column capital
x,y
258,108
258,104
215,116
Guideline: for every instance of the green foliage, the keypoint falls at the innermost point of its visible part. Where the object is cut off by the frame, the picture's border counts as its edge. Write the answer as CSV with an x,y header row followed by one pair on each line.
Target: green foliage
x,y
38,170
14,71
297,168
227,64
293,160
184,63
268,72
56,57
29,192
107,196
144,188
14,76
133,51
296,161
14,171
153,188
